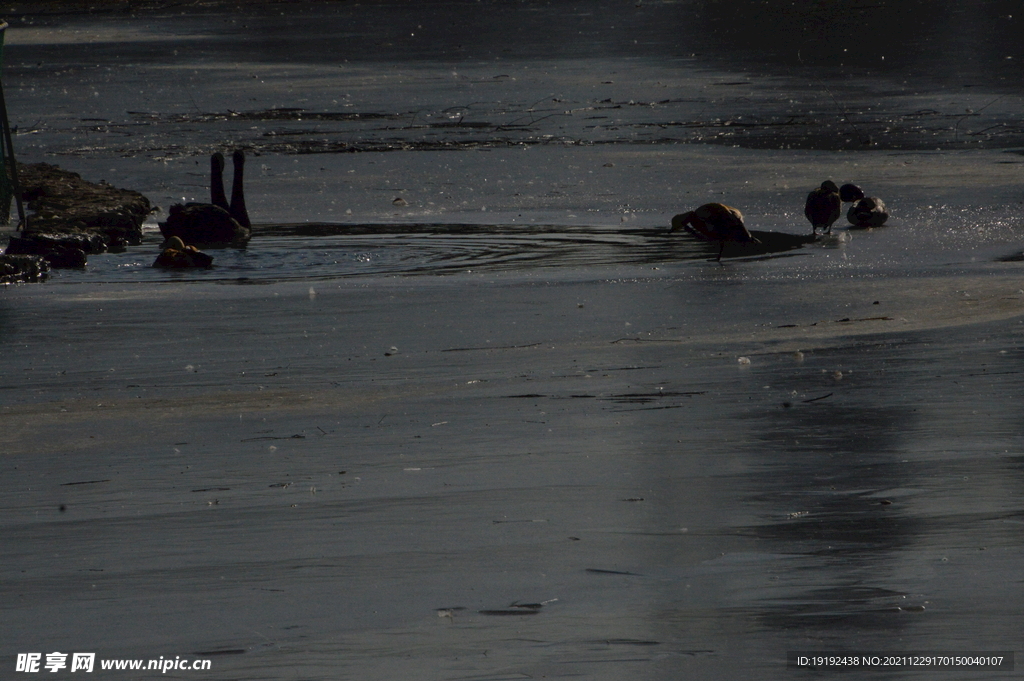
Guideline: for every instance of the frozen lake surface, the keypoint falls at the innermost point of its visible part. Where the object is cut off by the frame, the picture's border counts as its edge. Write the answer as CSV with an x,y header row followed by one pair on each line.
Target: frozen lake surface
x,y
507,426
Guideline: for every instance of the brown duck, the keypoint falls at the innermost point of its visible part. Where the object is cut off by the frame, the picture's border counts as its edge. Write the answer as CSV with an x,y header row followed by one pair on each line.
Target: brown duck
x,y
176,255
714,222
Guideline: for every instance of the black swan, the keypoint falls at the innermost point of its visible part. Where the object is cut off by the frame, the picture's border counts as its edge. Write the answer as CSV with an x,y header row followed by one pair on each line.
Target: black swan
x,y
823,206
217,223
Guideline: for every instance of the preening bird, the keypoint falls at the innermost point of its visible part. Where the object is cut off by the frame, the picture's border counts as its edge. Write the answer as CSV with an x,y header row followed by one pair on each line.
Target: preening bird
x,y
868,212
215,223
714,222
823,206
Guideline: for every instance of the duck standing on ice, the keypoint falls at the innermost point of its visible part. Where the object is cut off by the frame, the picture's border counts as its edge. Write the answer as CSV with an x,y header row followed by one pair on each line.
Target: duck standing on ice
x,y
715,222
823,207
217,223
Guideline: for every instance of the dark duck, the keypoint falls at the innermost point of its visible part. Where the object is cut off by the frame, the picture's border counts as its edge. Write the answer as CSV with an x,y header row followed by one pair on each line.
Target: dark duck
x,y
850,193
868,212
823,207
715,222
217,223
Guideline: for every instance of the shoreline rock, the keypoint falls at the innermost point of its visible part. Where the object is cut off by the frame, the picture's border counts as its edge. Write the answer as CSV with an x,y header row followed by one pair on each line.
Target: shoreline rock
x,y
60,250
19,269
71,218
62,202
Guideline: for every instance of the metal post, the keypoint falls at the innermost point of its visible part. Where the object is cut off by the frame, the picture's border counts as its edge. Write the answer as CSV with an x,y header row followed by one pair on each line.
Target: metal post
x,y
9,145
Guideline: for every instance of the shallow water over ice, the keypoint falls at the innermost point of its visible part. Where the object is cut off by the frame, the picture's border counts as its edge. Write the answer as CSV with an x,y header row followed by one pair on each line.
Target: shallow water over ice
x,y
593,119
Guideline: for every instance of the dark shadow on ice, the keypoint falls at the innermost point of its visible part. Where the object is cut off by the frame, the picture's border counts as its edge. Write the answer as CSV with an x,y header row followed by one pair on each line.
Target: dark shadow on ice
x,y
768,243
